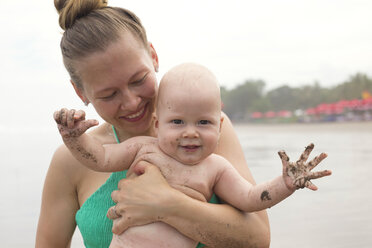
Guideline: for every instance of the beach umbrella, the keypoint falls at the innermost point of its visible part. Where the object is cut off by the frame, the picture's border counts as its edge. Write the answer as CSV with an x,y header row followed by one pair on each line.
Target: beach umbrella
x,y
270,114
284,113
367,103
311,111
355,103
256,115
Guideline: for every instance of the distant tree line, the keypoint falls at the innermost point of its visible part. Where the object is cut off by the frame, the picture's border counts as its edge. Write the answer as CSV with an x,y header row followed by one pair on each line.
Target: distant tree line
x,y
251,96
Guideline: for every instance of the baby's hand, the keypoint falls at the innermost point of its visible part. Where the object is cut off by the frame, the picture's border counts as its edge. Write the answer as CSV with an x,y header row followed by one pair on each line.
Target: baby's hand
x,y
298,174
72,123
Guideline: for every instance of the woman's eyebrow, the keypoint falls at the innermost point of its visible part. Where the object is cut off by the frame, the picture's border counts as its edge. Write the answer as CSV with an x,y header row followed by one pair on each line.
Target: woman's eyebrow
x,y
135,75
103,90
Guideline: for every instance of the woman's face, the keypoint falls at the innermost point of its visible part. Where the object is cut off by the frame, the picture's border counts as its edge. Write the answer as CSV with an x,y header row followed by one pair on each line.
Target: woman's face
x,y
121,84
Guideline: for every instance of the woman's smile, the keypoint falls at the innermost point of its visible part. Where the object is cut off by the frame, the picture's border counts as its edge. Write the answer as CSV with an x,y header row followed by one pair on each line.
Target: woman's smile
x,y
136,116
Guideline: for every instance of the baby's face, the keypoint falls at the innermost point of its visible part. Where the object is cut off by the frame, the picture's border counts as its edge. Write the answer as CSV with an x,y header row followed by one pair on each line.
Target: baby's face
x,y
189,125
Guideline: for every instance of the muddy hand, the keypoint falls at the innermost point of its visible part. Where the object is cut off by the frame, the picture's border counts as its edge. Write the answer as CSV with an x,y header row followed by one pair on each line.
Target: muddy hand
x,y
72,123
298,174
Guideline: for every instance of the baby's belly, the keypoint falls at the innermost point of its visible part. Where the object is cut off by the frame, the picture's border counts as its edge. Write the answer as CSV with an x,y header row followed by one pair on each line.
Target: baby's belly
x,y
157,234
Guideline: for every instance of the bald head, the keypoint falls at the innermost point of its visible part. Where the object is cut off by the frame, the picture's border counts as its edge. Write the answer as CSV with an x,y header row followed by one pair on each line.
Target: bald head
x,y
191,80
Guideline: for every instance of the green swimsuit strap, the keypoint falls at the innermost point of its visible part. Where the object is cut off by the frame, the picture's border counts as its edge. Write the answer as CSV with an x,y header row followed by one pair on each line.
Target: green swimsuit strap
x,y
115,134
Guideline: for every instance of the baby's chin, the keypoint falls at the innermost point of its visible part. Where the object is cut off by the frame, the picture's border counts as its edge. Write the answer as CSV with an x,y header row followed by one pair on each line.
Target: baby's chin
x,y
190,161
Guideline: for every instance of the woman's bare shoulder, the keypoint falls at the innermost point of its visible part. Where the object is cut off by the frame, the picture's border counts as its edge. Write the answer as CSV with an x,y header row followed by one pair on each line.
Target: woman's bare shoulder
x,y
65,164
103,133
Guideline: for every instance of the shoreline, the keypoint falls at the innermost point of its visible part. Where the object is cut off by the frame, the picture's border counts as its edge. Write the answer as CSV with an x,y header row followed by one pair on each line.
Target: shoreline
x,y
365,126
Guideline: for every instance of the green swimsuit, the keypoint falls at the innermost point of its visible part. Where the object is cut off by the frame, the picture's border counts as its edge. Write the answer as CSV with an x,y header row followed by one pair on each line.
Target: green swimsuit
x,y
91,219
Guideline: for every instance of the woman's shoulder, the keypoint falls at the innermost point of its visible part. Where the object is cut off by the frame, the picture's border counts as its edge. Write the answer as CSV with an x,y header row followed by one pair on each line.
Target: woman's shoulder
x,y
64,163
103,133
228,137
62,155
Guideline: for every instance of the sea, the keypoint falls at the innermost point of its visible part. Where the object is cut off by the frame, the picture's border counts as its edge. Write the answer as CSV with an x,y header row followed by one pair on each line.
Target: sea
x,y
338,215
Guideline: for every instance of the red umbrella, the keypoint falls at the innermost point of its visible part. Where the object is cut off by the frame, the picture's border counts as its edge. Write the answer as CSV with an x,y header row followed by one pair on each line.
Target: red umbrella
x,y
270,114
323,108
256,115
355,103
335,108
367,103
284,113
342,104
311,111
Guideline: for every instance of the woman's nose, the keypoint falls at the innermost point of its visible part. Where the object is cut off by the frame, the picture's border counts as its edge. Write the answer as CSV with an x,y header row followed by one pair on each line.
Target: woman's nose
x,y
130,101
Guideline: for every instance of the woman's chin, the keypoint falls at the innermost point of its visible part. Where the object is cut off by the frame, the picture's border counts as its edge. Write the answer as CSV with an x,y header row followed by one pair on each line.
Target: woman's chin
x,y
140,127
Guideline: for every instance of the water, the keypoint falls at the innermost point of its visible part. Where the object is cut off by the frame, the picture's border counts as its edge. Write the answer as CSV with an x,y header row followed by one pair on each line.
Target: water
x,y
337,215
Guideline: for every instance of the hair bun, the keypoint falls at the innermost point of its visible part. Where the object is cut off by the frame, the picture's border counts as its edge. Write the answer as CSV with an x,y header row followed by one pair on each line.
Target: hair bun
x,y
71,10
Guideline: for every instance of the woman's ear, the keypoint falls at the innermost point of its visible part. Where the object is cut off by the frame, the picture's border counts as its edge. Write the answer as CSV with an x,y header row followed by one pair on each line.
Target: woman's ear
x,y
79,92
154,57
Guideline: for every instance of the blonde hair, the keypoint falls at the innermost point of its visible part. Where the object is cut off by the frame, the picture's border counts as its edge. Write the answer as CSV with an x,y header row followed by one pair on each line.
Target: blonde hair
x,y
91,26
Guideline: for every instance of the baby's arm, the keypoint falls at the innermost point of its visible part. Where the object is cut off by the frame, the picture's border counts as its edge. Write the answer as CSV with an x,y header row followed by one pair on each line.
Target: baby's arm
x,y
247,197
88,150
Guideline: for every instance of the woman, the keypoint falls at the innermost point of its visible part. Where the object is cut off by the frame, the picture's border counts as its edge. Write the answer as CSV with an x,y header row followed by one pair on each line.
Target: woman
x,y
112,66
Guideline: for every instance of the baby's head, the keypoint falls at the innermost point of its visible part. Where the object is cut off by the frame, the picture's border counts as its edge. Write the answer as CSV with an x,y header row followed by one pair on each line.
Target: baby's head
x,y
188,113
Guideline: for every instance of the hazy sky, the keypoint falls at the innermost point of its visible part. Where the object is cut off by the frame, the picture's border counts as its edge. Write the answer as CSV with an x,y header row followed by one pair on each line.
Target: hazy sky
x,y
278,41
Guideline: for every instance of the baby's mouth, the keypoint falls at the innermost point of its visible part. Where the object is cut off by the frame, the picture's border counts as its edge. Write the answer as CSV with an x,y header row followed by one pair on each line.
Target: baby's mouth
x,y
190,148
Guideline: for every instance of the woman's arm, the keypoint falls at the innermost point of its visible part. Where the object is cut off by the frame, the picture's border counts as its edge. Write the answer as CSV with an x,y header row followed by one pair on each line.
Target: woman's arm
x,y
59,204
255,226
149,198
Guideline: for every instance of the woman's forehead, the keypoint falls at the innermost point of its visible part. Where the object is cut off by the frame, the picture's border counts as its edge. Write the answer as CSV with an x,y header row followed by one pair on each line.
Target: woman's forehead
x,y
119,62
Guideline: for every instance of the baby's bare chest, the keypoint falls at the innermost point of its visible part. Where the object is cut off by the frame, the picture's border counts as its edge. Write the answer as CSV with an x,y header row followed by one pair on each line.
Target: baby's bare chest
x,y
195,181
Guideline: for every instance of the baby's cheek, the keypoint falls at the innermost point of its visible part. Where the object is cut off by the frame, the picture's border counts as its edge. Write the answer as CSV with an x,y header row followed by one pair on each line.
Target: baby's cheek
x,y
174,143
167,145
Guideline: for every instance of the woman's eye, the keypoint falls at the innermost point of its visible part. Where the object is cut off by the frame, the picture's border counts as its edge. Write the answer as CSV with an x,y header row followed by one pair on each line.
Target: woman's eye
x,y
204,122
108,97
178,122
141,80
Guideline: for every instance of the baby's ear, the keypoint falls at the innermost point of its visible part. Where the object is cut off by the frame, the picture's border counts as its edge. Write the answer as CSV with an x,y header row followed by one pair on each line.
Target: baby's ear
x,y
156,124
221,121
156,121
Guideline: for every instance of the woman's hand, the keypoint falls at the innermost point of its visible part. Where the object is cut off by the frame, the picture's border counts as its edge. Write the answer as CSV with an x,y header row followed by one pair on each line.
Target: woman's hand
x,y
141,198
298,174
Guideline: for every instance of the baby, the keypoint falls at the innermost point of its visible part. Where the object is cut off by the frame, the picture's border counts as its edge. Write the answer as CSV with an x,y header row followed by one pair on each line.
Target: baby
x,y
188,123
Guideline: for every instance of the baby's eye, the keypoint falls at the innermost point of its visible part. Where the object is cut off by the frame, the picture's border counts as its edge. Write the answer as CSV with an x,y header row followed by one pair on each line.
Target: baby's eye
x,y
204,122
177,121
